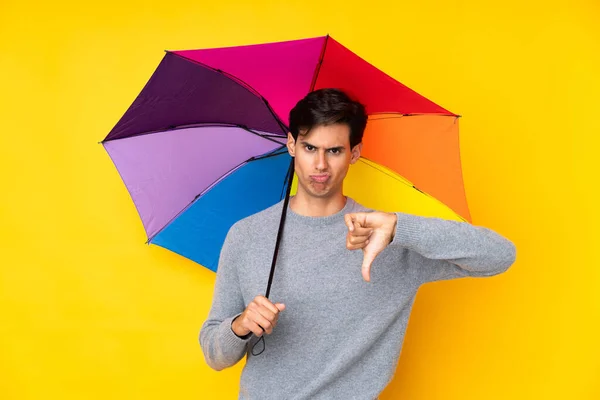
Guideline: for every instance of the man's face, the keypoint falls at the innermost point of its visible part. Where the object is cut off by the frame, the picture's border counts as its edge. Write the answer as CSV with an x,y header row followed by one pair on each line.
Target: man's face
x,y
322,158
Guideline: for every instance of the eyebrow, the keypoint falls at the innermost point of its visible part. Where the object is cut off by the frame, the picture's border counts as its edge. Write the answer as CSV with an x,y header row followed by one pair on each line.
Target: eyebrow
x,y
316,147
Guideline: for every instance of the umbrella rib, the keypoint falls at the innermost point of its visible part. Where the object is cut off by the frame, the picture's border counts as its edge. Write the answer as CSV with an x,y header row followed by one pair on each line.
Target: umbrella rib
x,y
235,78
318,68
372,164
199,125
268,155
402,115
232,170
213,184
267,137
283,126
242,83
404,181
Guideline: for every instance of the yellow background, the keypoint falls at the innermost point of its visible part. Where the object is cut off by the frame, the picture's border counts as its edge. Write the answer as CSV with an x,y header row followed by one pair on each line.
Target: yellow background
x,y
89,312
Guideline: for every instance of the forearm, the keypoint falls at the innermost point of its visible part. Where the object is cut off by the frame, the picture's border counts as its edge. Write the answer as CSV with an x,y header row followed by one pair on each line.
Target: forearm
x,y
222,348
473,248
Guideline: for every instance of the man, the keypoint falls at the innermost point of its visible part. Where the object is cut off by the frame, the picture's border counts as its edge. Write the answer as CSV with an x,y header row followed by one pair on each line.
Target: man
x,y
331,333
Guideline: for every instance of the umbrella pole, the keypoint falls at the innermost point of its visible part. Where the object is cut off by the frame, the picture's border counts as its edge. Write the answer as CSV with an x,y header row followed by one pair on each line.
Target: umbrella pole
x,y
289,178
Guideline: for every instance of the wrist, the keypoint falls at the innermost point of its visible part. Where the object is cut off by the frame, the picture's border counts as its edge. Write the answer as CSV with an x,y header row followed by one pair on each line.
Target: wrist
x,y
237,329
394,223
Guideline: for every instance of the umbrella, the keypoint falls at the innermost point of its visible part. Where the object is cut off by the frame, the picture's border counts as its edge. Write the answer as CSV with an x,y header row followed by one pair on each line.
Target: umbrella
x,y
203,144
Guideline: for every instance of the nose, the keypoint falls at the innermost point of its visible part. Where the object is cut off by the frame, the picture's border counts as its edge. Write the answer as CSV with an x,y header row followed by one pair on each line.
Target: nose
x,y
321,161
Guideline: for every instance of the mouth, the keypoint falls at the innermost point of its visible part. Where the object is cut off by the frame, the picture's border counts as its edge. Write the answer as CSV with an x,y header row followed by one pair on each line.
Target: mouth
x,y
319,178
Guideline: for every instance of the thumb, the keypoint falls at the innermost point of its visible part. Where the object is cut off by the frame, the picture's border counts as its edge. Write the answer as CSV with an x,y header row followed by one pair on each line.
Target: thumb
x,y
280,306
368,258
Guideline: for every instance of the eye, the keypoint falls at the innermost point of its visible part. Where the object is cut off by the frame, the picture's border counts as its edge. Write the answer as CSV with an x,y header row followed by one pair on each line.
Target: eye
x,y
335,151
308,147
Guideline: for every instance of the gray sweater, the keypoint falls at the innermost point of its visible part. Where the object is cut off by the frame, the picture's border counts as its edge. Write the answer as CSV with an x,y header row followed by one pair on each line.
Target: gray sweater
x,y
339,336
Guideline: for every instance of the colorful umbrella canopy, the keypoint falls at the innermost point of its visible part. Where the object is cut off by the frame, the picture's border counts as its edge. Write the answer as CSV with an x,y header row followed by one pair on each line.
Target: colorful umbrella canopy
x,y
203,144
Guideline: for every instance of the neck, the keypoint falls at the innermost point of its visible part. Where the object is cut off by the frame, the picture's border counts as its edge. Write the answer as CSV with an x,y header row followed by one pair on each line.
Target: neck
x,y
315,206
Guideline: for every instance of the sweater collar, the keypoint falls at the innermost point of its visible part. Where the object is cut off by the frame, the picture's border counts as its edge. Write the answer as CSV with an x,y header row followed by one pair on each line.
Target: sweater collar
x,y
296,218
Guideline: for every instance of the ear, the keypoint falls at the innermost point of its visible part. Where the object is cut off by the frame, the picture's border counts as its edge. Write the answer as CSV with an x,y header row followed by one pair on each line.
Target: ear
x,y
291,144
356,153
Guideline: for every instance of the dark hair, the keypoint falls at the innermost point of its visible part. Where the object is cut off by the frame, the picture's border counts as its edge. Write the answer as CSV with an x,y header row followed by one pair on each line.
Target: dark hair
x,y
326,107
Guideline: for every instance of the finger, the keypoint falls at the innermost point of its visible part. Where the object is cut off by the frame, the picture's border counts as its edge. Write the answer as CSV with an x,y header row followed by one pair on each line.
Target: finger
x,y
356,239
368,259
248,323
254,328
266,313
348,218
350,246
360,231
258,312
281,307
264,302
262,322
360,219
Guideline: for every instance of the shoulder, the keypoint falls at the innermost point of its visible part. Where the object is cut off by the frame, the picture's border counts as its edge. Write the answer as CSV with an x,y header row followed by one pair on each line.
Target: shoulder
x,y
258,223
353,206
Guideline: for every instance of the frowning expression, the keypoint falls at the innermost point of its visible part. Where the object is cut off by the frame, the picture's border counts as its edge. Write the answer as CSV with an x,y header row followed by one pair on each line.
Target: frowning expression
x,y
322,158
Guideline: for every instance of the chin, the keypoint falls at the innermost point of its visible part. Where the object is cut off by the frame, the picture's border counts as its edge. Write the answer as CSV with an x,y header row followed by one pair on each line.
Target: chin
x,y
324,193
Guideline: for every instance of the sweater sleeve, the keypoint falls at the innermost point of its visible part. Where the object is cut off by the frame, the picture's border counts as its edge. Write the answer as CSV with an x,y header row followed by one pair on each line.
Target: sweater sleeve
x,y
222,348
444,249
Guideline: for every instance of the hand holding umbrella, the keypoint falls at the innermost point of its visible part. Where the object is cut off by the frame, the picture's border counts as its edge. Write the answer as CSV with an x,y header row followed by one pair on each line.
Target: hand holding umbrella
x,y
371,232
259,317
